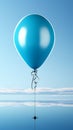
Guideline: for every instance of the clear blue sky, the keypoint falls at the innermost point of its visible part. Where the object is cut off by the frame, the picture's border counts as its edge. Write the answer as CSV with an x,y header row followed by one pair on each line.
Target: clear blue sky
x,y
57,70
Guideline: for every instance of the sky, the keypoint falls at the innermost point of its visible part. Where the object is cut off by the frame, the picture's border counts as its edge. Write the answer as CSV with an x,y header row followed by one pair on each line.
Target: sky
x,y
57,70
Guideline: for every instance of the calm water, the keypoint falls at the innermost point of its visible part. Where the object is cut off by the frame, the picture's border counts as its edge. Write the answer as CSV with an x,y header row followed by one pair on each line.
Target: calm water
x,y
49,118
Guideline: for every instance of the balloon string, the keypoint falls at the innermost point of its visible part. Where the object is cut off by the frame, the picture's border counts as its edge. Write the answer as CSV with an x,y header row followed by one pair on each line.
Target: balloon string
x,y
33,86
35,117
34,79
34,102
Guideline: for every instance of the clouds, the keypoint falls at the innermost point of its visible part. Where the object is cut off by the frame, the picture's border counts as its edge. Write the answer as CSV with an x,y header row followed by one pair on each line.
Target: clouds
x,y
45,97
38,104
46,91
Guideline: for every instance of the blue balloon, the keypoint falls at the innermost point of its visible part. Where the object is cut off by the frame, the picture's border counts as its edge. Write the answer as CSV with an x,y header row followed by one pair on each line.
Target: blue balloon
x,y
34,39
